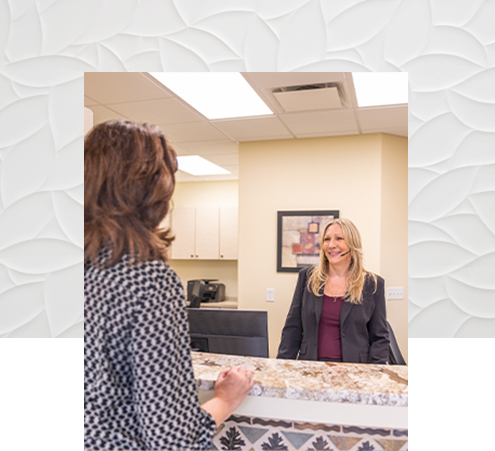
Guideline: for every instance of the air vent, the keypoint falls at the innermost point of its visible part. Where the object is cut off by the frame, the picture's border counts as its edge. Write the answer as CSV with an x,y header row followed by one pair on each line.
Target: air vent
x,y
320,96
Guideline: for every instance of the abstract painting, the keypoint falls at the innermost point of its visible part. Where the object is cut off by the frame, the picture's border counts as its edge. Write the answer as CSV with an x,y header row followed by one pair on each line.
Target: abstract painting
x,y
299,237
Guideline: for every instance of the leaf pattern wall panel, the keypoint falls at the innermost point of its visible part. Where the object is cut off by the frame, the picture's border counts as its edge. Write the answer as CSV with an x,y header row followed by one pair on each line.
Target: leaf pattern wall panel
x,y
448,49
41,205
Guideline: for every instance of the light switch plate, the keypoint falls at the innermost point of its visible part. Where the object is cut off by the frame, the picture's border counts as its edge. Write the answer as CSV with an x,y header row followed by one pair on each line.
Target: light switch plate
x,y
395,293
270,294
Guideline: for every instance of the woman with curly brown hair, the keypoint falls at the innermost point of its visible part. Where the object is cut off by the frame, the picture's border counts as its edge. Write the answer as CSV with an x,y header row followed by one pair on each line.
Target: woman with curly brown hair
x,y
139,389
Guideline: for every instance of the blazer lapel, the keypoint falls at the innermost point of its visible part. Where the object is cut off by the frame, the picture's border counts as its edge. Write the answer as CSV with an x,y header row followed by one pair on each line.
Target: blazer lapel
x,y
344,311
318,300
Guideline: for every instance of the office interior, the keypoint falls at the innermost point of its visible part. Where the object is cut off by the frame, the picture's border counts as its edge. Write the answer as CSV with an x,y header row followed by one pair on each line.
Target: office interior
x,y
301,157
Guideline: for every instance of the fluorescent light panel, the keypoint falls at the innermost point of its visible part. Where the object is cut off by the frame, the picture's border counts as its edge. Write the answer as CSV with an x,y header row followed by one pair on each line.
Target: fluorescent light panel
x,y
196,165
216,95
380,88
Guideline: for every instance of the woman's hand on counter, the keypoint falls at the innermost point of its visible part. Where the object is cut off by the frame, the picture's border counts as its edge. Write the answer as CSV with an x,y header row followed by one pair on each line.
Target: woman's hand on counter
x,y
233,385
231,388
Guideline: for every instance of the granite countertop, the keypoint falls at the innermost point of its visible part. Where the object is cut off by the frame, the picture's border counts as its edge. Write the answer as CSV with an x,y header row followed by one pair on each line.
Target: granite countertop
x,y
381,385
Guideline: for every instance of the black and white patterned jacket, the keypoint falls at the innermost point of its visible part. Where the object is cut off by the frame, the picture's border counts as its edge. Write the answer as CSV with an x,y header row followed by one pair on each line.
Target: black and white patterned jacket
x,y
139,389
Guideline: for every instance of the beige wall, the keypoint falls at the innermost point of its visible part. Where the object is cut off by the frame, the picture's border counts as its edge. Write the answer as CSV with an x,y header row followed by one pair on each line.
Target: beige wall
x,y
342,173
393,249
207,194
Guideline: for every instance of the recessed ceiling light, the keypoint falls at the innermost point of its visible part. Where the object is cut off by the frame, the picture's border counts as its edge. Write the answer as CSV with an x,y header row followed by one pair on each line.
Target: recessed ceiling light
x,y
196,165
216,95
380,88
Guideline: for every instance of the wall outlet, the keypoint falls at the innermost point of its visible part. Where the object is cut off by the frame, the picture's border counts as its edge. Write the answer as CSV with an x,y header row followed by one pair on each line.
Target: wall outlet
x,y
270,294
395,293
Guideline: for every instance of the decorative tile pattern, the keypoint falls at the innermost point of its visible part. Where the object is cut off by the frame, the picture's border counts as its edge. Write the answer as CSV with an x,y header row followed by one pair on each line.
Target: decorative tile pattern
x,y
244,433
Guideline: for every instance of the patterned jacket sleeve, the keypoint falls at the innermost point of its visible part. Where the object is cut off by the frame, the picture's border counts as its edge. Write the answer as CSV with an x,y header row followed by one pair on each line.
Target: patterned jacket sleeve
x,y
166,399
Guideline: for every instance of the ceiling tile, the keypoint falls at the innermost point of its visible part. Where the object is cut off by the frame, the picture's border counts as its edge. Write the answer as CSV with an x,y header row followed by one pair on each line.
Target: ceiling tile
x,y
329,123
179,150
103,114
89,102
233,168
399,131
375,119
210,178
326,134
229,159
254,129
185,177
211,147
160,111
191,132
117,87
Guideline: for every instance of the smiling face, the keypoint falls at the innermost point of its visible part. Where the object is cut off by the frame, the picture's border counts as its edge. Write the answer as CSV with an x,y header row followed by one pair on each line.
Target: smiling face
x,y
334,245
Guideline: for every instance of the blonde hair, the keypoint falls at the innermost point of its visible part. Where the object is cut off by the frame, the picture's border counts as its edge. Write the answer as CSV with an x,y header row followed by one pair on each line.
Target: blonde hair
x,y
357,274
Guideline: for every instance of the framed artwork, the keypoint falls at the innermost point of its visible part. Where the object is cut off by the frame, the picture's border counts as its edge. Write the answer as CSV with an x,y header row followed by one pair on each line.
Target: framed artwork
x,y
299,237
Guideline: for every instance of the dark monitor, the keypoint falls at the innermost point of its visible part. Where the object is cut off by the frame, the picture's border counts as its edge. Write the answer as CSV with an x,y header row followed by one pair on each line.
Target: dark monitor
x,y
234,332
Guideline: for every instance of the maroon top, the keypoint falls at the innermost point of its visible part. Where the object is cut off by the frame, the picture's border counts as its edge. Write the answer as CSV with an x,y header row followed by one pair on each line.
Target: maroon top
x,y
329,345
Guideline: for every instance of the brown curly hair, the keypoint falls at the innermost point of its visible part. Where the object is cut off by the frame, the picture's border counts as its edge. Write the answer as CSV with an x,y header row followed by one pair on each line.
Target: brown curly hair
x,y
129,179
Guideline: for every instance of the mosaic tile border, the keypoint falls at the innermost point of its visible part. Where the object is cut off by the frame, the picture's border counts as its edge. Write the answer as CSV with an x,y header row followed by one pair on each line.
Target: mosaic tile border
x,y
254,433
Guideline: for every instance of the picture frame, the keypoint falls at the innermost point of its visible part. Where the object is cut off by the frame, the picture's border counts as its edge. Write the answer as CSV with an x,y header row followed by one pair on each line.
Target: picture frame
x,y
299,236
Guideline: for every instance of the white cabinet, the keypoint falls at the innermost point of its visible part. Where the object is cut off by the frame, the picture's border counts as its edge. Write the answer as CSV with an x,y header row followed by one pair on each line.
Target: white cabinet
x,y
229,224
207,233
204,233
184,230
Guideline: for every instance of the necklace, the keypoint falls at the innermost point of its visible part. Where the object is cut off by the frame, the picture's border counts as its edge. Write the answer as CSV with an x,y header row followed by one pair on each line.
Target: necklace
x,y
335,297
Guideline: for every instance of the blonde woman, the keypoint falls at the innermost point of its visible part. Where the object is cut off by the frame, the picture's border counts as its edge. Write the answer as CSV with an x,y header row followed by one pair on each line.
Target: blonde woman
x,y
338,309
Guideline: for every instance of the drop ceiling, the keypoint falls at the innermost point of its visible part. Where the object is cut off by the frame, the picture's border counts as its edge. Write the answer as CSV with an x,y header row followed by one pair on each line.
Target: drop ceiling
x,y
328,109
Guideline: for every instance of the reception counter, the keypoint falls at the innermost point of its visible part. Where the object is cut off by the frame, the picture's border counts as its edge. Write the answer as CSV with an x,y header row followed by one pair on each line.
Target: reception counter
x,y
311,405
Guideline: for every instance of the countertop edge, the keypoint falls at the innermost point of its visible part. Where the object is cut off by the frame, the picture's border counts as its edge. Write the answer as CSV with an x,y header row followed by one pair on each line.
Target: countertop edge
x,y
345,397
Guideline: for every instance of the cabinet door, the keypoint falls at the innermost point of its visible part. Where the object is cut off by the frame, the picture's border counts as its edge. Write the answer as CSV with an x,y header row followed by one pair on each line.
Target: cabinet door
x,y
183,227
207,233
166,222
229,224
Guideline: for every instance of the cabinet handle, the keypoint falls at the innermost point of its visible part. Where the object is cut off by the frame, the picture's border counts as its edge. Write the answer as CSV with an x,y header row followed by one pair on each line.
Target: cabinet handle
x,y
192,256
196,256
221,256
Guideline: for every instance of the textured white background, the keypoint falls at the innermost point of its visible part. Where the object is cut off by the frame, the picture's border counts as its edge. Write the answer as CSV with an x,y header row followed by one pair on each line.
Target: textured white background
x,y
447,46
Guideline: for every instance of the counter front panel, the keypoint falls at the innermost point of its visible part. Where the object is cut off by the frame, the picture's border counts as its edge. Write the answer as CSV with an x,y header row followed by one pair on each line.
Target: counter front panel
x,y
311,405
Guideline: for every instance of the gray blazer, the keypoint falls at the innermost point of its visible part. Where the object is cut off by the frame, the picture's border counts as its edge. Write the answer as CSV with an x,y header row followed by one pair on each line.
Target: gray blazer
x,y
363,327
